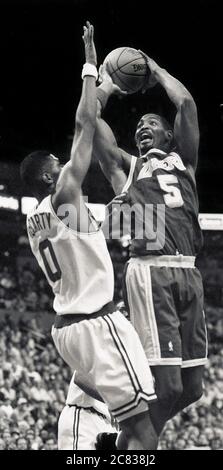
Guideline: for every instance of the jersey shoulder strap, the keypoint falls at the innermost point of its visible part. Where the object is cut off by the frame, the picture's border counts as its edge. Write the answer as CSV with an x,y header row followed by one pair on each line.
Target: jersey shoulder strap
x,y
130,175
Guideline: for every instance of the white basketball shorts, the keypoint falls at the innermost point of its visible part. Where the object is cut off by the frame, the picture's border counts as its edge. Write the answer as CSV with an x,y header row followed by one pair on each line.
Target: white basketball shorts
x,y
78,428
108,351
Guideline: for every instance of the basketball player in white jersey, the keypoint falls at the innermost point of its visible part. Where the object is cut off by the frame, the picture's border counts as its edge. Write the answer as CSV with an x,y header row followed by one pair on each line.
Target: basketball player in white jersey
x,y
91,336
81,419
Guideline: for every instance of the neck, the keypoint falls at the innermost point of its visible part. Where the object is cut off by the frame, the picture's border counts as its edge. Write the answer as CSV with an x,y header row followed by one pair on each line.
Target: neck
x,y
153,151
42,196
162,148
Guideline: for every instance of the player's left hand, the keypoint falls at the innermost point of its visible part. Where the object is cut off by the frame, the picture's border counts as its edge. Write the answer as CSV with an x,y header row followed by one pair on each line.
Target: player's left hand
x,y
152,65
88,38
105,78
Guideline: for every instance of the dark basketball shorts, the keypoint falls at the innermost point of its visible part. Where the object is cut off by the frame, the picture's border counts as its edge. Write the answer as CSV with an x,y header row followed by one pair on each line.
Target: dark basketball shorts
x,y
164,296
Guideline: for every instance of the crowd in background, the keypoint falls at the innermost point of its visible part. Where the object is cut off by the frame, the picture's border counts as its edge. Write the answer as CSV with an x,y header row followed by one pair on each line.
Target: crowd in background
x,y
33,386
34,379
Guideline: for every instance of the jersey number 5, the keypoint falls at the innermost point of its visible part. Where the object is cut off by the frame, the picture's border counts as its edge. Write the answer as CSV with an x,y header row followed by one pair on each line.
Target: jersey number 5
x,y
173,196
49,260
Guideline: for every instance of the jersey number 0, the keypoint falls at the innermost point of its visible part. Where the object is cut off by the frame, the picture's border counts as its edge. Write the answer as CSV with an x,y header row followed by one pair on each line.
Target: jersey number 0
x,y
49,260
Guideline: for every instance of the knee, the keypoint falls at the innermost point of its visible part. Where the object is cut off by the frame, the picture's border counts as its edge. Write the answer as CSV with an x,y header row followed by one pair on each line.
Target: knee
x,y
193,393
140,429
193,383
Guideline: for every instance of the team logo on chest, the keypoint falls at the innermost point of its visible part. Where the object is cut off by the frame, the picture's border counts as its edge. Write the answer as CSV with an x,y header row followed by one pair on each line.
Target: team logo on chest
x,y
169,163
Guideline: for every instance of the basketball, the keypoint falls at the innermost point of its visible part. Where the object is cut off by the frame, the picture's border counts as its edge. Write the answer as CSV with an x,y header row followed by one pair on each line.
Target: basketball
x,y
127,68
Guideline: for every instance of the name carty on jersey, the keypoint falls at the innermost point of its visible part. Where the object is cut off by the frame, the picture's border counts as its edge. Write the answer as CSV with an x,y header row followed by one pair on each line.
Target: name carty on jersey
x,y
38,222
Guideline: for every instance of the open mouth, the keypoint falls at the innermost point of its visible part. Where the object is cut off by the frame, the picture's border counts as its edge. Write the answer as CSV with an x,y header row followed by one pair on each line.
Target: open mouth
x,y
145,137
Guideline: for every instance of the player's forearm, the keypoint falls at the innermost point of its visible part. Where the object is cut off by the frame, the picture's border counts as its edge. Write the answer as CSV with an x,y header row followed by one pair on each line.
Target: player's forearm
x,y
103,91
176,91
85,124
87,108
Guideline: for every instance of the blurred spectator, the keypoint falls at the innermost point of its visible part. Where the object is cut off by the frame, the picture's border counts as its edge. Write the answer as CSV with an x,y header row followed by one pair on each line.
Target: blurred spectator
x,y
22,443
51,443
38,392
2,444
6,408
8,390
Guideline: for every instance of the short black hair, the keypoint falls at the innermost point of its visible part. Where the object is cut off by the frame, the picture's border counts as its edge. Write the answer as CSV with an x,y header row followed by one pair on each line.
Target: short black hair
x,y
31,169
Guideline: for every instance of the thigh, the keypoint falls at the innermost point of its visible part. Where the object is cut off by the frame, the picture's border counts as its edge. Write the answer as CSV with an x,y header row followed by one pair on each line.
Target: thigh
x,y
153,312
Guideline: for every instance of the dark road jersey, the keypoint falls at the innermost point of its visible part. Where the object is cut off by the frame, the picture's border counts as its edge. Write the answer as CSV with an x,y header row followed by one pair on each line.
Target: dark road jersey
x,y
163,192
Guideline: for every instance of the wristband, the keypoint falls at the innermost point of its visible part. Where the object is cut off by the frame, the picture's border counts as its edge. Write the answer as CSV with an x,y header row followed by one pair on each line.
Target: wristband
x,y
102,96
90,70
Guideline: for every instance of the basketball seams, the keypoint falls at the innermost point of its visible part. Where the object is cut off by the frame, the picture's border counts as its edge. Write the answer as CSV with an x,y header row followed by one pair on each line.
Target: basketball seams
x,y
117,68
122,52
132,74
112,68
129,62
126,84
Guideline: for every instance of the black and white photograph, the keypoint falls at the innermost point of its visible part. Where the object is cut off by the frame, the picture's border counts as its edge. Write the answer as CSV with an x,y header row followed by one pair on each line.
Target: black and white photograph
x,y
111,240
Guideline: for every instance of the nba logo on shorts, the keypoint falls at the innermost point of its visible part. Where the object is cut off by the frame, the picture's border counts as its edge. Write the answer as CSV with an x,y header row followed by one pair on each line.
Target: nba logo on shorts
x,y
170,346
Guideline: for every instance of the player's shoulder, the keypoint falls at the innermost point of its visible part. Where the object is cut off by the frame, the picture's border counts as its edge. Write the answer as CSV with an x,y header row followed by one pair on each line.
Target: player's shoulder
x,y
42,206
45,205
183,163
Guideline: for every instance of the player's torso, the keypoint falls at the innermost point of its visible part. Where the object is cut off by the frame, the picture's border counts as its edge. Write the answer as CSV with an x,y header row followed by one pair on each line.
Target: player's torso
x,y
77,265
166,190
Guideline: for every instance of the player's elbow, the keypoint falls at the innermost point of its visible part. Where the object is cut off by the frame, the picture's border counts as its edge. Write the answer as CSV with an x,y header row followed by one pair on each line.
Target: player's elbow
x,y
84,120
186,102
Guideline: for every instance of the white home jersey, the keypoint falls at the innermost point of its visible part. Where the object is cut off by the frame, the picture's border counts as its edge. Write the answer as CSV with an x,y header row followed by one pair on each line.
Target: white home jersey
x,y
77,265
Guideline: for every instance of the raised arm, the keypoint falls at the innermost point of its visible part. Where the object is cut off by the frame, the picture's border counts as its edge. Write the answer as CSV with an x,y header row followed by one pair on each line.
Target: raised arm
x,y
186,130
114,162
74,172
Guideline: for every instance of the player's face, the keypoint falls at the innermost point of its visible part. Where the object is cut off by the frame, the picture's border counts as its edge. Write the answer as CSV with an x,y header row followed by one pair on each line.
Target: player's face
x,y
151,133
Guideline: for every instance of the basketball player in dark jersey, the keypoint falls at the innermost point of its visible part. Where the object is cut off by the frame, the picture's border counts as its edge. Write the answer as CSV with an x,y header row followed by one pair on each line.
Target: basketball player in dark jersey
x,y
163,288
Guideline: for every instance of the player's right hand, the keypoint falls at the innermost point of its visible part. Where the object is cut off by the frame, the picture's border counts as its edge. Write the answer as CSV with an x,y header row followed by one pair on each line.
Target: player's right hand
x,y
152,65
88,38
105,78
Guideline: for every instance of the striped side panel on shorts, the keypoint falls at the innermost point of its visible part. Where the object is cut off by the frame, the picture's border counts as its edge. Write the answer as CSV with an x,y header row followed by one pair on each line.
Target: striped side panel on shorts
x,y
198,361
140,300
139,394
134,403
76,423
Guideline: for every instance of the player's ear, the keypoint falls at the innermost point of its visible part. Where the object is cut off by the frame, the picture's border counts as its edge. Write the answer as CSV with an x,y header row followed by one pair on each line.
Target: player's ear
x,y
169,135
47,178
